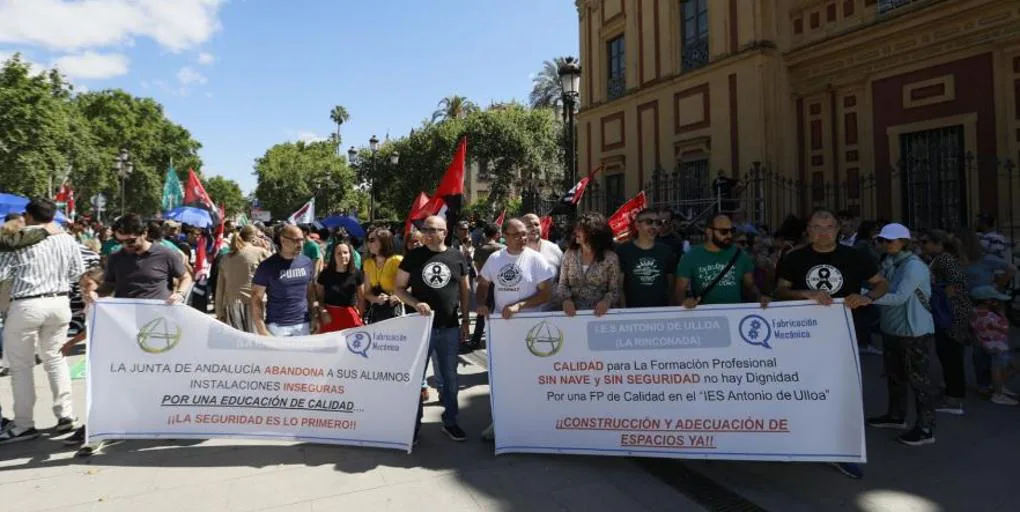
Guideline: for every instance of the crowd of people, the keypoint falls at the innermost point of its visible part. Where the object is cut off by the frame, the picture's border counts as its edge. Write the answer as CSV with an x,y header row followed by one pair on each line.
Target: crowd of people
x,y
908,290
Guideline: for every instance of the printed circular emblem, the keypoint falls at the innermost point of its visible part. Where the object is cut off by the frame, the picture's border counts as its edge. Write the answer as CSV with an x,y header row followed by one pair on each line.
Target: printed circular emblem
x,y
755,330
436,274
509,275
825,278
359,342
544,340
159,335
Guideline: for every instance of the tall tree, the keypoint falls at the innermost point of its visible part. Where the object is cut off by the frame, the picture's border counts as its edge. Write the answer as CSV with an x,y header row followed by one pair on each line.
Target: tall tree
x,y
545,87
291,173
454,107
339,116
226,193
41,134
118,121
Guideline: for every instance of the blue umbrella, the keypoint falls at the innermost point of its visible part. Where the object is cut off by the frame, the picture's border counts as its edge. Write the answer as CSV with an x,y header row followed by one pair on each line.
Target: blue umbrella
x,y
191,216
347,222
10,203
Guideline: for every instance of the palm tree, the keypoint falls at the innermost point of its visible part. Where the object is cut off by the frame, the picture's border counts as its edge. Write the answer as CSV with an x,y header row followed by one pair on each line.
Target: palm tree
x,y
339,116
454,107
545,88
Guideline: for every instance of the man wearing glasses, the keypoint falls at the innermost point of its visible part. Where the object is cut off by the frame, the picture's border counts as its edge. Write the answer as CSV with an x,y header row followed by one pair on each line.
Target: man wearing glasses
x,y
437,276
826,270
648,265
717,272
139,270
283,289
519,276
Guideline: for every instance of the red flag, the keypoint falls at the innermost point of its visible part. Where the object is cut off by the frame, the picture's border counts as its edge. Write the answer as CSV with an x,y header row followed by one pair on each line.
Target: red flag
x,y
452,183
65,195
622,222
194,192
417,208
501,218
546,226
200,257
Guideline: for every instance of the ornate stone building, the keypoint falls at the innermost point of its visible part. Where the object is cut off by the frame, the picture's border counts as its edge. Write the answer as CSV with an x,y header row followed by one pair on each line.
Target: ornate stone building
x,y
898,109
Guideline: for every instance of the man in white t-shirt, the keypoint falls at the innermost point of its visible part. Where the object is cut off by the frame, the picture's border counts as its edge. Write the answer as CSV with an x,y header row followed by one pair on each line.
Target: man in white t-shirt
x,y
521,279
552,252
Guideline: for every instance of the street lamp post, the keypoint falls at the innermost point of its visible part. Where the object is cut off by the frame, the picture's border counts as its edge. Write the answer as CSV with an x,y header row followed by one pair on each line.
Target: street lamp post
x,y
373,146
570,85
124,167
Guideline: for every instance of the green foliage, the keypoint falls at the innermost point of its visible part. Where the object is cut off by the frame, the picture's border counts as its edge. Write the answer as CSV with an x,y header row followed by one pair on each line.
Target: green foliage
x,y
44,129
512,143
545,87
454,107
291,173
339,116
226,193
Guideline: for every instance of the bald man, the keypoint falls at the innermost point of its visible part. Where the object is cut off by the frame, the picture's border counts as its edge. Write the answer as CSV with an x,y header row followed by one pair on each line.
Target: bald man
x,y
283,289
433,279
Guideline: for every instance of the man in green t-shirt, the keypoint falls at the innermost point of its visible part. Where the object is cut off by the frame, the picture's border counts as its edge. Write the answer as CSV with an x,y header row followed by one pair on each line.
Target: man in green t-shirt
x,y
700,267
312,249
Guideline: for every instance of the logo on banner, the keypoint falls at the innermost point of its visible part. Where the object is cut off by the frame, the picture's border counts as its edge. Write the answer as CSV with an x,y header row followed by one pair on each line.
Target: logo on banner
x,y
436,274
159,335
544,340
755,330
359,343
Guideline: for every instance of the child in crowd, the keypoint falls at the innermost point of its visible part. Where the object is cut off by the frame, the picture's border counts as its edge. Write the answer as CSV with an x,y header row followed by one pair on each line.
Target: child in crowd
x,y
992,333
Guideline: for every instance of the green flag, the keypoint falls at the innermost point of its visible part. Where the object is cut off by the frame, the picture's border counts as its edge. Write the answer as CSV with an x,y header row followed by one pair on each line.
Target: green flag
x,y
173,192
242,220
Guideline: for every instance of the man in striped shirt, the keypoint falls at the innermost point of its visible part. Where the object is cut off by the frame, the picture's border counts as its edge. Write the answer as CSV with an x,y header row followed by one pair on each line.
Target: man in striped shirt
x,y
40,310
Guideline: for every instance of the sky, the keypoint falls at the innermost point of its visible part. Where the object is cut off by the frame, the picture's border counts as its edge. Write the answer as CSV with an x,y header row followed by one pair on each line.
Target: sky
x,y
243,75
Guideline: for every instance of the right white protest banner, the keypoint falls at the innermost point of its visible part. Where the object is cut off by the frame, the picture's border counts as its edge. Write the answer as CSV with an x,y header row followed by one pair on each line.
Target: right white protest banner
x,y
717,382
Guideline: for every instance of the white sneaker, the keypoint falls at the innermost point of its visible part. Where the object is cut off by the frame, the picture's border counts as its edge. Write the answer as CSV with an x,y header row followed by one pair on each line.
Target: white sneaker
x,y
489,434
1002,399
1009,393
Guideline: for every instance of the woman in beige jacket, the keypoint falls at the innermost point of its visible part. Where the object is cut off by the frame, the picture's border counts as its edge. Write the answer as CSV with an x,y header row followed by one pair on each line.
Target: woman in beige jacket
x,y
233,286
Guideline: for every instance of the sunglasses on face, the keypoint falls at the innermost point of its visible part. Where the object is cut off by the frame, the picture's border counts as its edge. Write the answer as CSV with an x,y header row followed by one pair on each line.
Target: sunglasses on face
x,y
657,222
127,241
723,231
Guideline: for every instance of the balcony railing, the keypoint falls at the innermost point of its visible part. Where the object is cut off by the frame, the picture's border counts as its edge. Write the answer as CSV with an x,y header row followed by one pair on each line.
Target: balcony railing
x,y
616,86
695,54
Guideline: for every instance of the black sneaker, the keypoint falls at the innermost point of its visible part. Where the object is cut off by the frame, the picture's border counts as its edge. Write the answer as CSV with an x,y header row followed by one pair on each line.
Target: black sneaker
x,y
849,469
78,437
455,433
887,421
917,437
90,449
65,425
4,371
17,435
5,424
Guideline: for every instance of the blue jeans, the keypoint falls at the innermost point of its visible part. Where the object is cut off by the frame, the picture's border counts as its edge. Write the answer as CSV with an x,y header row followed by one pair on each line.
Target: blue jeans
x,y
445,343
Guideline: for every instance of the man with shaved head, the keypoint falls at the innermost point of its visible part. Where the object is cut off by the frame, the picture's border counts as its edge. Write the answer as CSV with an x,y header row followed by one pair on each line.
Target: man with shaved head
x,y
520,277
437,277
283,289
550,251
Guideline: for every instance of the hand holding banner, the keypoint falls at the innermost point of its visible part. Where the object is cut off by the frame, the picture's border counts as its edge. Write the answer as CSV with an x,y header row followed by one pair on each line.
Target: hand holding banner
x,y
170,372
717,382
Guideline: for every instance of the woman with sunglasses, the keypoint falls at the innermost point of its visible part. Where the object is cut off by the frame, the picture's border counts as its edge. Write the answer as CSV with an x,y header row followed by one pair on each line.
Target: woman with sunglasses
x,y
381,265
339,290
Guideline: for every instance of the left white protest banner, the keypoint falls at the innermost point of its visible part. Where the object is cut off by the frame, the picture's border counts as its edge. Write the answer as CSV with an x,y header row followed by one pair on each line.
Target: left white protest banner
x,y
171,372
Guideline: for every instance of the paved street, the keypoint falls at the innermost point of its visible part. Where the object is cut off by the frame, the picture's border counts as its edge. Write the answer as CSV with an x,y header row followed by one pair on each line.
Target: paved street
x,y
965,470
239,475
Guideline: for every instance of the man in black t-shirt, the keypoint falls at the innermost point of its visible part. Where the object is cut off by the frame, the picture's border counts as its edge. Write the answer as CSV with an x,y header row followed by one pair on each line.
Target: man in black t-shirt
x,y
437,276
825,270
648,265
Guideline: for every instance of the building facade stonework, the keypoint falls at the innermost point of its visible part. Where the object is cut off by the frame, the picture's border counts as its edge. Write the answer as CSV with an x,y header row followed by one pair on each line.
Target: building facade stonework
x,y
898,109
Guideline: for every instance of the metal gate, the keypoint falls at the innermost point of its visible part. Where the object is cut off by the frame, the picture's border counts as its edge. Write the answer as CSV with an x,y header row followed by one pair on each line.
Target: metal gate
x,y
933,179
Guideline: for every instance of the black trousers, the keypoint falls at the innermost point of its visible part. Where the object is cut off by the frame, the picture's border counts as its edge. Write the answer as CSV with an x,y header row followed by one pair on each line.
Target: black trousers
x,y
951,355
906,369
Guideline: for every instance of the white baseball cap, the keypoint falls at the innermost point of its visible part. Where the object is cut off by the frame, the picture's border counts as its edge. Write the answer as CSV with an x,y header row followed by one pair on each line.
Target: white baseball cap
x,y
894,232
